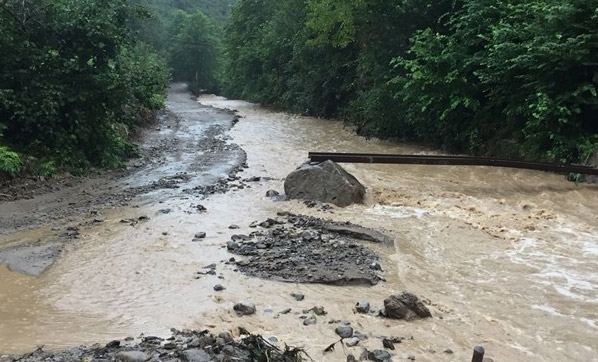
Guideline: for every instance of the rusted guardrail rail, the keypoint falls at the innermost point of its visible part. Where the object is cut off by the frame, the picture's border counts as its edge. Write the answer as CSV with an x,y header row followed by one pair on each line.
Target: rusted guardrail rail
x,y
449,160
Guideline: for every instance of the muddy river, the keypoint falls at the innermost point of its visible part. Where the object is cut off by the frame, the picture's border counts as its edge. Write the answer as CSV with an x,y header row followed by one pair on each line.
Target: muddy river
x,y
506,258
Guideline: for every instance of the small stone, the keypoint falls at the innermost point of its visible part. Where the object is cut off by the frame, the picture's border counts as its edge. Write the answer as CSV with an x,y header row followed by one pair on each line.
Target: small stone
x,y
132,356
351,358
272,193
379,355
219,287
344,331
200,235
286,311
448,351
298,297
362,306
113,344
352,342
228,338
244,308
169,345
196,355
231,245
272,339
233,227
310,320
387,343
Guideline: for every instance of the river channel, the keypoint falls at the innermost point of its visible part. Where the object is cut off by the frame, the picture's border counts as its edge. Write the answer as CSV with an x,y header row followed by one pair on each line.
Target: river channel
x,y
505,258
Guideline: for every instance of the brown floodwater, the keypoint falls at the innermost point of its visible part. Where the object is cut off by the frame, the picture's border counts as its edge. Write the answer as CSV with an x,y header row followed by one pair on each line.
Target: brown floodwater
x,y
506,259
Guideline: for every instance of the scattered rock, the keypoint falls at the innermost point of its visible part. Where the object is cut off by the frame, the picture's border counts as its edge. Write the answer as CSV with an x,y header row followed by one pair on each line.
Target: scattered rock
x,y
272,193
219,287
310,320
362,306
286,311
197,355
298,297
316,310
352,342
344,331
132,356
233,227
244,308
113,344
387,343
325,182
379,355
405,306
448,351
200,235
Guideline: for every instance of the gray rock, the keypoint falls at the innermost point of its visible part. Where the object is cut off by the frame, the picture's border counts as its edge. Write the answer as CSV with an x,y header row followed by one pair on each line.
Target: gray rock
x,y
310,320
219,287
228,338
244,308
387,343
132,356
344,331
379,355
200,235
362,306
231,245
196,355
325,182
272,193
405,306
352,342
448,351
298,296
233,227
286,311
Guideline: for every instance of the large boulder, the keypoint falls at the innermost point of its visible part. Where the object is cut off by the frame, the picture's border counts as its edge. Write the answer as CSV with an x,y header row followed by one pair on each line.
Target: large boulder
x,y
405,306
325,182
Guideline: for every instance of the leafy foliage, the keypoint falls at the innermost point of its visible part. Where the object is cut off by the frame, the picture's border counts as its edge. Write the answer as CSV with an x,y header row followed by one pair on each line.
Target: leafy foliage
x,y
70,73
10,162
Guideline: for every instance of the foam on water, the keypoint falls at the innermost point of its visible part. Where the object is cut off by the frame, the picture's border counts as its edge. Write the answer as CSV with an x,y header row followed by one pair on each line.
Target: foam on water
x,y
397,212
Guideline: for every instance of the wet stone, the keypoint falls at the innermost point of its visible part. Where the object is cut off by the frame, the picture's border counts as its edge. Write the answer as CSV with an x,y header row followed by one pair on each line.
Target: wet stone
x,y
219,287
379,355
200,235
352,342
448,351
387,343
197,355
362,306
344,331
113,344
233,227
310,320
244,308
132,356
272,193
298,297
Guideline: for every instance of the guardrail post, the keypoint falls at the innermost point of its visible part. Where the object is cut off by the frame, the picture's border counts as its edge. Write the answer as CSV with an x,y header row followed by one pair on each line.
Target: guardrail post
x,y
478,354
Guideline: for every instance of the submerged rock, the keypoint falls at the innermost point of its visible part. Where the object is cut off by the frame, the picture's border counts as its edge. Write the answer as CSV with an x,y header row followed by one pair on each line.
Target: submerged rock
x,y
325,182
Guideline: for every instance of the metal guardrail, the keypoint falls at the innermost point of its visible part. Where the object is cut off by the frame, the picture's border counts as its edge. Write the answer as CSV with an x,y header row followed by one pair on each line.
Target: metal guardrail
x,y
449,160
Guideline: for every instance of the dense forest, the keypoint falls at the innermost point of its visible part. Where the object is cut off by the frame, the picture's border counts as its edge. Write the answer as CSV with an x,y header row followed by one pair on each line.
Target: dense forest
x,y
512,78
515,79
78,77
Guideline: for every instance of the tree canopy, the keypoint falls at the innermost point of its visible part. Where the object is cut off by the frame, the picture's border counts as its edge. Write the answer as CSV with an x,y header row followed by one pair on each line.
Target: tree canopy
x,y
509,78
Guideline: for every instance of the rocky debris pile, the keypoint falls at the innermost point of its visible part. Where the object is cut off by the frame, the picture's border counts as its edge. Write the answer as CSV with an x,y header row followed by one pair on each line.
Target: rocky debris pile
x,y
325,182
304,249
187,345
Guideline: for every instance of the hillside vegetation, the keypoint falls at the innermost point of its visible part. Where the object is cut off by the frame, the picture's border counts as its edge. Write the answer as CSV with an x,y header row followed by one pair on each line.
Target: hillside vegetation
x,y
510,78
